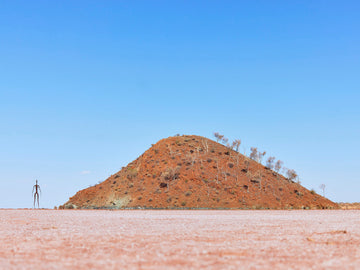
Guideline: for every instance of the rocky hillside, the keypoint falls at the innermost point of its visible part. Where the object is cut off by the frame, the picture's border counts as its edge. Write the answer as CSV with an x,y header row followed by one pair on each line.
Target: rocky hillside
x,y
195,172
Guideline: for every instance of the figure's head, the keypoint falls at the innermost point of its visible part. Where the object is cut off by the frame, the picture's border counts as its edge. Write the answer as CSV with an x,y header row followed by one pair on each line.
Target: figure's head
x,y
36,181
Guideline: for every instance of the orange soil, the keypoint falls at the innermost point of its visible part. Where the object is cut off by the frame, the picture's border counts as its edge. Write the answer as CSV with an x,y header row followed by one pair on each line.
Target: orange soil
x,y
195,172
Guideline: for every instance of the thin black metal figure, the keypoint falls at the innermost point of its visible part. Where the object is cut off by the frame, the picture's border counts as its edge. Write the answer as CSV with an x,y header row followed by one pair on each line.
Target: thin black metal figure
x,y
36,194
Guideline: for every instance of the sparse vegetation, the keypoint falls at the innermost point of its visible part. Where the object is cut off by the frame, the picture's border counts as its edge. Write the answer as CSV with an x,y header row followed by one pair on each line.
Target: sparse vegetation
x,y
322,187
225,140
208,171
270,163
236,145
247,164
254,153
291,174
188,193
261,156
278,166
131,173
170,174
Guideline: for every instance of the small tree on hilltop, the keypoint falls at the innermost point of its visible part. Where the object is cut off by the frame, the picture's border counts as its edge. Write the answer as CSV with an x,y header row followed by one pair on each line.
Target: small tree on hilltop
x,y
260,156
291,174
236,145
254,153
270,163
278,166
225,140
232,146
322,187
216,135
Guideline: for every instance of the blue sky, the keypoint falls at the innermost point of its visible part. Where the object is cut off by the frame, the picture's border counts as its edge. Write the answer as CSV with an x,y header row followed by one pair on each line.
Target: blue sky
x,y
87,86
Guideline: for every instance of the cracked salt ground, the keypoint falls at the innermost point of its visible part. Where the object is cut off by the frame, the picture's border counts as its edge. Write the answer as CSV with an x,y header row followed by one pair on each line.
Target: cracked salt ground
x,y
100,239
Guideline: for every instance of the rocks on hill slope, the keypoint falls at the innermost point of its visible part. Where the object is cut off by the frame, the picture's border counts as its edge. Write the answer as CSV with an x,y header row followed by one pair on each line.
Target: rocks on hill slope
x,y
196,172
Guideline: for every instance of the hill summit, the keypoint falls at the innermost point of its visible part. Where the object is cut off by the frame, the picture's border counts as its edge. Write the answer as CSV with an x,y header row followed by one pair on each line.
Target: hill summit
x,y
196,172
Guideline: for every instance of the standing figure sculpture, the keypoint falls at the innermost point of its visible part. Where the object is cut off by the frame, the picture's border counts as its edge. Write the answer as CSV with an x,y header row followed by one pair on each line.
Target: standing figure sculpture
x,y
36,194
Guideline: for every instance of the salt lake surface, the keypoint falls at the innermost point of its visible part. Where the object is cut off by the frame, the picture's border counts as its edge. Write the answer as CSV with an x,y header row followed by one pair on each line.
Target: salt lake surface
x,y
179,239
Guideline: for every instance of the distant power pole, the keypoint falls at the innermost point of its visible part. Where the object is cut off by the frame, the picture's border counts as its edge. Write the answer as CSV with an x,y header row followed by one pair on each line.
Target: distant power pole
x,y
322,186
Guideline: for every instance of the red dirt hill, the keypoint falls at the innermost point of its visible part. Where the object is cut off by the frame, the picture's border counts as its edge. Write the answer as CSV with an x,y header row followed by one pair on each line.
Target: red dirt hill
x,y
195,172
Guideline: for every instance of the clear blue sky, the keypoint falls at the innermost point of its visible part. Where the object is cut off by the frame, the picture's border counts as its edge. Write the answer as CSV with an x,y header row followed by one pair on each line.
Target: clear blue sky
x,y
87,86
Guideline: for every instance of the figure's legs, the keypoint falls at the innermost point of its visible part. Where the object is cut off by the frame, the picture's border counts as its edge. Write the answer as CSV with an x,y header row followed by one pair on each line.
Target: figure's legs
x,y
38,200
34,199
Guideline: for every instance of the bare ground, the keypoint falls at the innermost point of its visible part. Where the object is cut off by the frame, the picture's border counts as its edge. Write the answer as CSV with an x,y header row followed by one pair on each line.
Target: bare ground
x,y
139,239
196,173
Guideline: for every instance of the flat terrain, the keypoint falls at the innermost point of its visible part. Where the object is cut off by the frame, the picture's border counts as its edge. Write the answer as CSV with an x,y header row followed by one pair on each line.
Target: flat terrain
x,y
139,239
